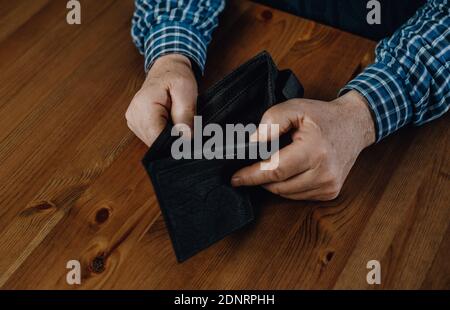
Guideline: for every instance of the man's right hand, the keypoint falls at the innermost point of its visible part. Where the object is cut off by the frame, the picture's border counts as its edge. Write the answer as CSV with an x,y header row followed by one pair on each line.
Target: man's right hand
x,y
170,90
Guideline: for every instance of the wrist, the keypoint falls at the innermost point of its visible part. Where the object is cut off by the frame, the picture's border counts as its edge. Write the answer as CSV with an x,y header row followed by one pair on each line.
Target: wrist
x,y
172,58
359,117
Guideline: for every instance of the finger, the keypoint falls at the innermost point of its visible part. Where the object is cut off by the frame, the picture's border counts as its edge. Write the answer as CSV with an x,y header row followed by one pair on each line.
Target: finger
x,y
138,133
155,122
317,194
293,159
305,181
183,94
149,113
284,115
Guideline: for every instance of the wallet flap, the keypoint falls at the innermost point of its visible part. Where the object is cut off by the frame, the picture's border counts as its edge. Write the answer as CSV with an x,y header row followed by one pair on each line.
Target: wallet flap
x,y
198,205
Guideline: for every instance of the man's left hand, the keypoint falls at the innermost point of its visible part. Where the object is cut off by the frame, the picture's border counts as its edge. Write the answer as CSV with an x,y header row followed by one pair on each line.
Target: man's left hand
x,y
327,138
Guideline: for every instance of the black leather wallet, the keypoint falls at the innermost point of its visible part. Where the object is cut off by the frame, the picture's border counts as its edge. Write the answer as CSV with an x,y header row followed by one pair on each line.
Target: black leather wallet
x,y
197,201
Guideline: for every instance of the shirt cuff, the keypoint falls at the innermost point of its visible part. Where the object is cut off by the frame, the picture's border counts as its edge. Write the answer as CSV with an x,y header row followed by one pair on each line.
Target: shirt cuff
x,y
384,91
174,37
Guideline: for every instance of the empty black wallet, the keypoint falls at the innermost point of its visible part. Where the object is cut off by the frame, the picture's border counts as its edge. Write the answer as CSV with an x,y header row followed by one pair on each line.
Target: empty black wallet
x,y
197,201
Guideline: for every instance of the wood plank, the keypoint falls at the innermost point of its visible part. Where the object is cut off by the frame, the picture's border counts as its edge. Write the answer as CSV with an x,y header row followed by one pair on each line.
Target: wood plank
x,y
438,276
80,149
414,204
106,223
15,13
240,42
47,102
51,42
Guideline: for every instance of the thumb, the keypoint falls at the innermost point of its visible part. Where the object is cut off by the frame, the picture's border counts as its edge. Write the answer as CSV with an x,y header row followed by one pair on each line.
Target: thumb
x,y
277,121
184,99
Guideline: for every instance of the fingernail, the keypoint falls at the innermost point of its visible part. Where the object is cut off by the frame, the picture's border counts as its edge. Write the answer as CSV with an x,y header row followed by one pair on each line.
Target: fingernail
x,y
182,130
263,132
235,181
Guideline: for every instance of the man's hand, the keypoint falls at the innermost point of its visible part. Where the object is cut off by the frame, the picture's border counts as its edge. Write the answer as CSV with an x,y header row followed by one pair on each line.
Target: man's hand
x,y
170,90
327,139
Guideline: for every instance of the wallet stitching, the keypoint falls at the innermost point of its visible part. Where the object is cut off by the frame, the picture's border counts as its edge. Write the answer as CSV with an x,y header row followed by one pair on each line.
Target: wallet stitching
x,y
221,93
219,237
233,100
211,92
172,231
215,93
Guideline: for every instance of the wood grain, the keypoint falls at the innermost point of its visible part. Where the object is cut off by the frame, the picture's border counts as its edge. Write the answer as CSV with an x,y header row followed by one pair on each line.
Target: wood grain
x,y
72,185
15,13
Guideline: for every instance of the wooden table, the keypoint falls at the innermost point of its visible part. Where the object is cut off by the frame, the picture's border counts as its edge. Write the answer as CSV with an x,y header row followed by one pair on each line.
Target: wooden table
x,y
72,185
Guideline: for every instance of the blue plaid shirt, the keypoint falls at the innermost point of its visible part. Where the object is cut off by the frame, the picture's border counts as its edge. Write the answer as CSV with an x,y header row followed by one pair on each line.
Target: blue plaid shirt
x,y
409,82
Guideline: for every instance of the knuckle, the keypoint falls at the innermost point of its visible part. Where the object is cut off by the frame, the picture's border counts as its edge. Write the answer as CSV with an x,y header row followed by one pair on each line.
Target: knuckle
x,y
250,179
318,157
138,97
332,196
290,197
276,189
330,178
130,126
183,83
333,192
277,174
179,80
128,115
325,197
330,191
322,153
182,117
137,102
269,116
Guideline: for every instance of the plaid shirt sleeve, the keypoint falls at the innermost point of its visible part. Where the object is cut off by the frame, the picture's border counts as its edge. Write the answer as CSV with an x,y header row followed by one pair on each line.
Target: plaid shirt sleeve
x,y
410,79
161,27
